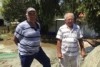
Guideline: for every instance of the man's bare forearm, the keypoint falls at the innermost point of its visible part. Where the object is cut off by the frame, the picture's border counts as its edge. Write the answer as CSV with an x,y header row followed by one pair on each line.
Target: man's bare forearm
x,y
16,40
83,53
59,46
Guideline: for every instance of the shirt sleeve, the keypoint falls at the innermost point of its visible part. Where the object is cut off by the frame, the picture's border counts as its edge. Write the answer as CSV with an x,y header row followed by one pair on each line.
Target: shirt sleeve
x,y
18,32
59,34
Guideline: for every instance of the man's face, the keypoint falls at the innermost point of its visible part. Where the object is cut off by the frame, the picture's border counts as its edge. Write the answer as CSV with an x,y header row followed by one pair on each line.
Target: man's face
x,y
31,16
69,21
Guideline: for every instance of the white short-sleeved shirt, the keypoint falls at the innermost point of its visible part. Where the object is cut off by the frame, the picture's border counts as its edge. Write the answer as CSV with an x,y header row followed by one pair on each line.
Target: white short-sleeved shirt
x,y
69,39
29,38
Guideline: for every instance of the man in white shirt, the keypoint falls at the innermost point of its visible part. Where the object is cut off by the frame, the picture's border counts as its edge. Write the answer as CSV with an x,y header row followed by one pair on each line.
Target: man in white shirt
x,y
68,37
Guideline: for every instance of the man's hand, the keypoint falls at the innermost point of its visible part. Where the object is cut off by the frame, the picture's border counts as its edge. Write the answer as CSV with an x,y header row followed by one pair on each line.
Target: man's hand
x,y
83,54
60,56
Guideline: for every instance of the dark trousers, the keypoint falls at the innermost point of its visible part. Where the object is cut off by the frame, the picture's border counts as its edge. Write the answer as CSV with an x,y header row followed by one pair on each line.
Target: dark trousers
x,y
26,60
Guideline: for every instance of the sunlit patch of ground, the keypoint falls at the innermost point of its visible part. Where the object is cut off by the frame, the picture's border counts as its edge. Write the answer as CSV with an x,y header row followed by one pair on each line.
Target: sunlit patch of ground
x,y
9,55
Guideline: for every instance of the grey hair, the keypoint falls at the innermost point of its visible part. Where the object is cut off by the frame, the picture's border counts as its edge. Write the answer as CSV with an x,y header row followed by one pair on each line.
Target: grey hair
x,y
68,14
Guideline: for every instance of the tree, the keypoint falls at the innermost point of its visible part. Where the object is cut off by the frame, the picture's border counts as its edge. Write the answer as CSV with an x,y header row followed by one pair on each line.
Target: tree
x,y
91,8
48,10
71,6
15,9
93,14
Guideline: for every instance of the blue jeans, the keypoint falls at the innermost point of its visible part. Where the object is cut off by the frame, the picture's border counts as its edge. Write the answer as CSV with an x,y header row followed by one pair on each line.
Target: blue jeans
x,y
26,60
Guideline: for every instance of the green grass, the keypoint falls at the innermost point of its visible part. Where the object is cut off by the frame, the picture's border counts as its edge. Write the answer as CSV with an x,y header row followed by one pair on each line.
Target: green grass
x,y
8,55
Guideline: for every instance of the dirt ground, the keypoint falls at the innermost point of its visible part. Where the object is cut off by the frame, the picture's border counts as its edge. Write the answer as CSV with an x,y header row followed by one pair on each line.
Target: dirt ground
x,y
9,55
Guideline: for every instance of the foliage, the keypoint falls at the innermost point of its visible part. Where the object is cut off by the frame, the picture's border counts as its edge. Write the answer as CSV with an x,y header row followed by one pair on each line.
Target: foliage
x,y
70,6
49,9
74,6
11,12
93,13
15,9
91,8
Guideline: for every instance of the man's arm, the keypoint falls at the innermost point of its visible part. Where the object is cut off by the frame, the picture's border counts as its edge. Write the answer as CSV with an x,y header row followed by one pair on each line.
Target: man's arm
x,y
16,40
59,53
83,53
